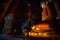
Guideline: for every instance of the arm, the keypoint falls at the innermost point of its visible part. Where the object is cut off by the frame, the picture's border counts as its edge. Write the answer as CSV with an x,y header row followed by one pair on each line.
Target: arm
x,y
49,16
47,13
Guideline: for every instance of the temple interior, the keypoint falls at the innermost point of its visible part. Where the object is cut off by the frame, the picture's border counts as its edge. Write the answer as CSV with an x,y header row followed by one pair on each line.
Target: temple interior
x,y
30,19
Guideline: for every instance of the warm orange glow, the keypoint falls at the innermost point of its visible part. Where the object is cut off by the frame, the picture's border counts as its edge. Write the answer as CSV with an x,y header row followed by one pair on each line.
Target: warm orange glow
x,y
33,27
42,26
32,34
45,34
38,30
38,34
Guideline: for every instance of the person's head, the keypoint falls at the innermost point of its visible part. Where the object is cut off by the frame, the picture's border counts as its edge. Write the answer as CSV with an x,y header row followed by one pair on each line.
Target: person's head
x,y
42,3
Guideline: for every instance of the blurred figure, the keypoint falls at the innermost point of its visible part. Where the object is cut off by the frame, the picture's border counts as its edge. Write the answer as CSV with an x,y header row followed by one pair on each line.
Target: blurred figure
x,y
49,14
46,13
8,24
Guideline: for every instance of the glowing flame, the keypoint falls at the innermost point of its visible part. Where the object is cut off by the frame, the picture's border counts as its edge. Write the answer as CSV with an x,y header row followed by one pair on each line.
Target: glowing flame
x,y
42,26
